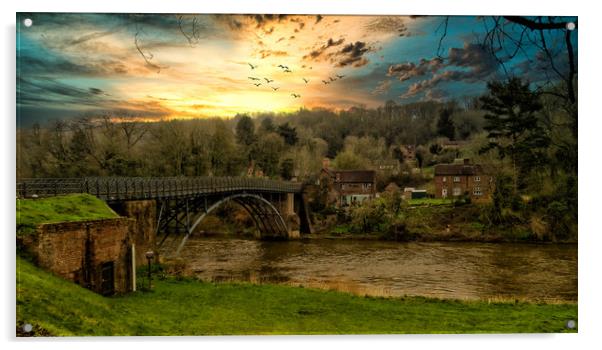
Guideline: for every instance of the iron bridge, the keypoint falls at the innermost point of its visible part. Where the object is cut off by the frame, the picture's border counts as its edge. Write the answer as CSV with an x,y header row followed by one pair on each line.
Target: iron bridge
x,y
183,202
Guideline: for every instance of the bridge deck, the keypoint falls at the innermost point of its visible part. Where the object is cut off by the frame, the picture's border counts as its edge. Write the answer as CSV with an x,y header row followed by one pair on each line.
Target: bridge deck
x,y
137,188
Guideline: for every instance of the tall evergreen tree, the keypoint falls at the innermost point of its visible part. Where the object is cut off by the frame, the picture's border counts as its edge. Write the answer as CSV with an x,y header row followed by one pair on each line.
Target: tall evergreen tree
x,y
245,131
445,124
513,126
289,134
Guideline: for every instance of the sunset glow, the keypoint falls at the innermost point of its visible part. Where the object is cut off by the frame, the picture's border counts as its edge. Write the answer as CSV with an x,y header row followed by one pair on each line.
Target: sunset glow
x,y
191,66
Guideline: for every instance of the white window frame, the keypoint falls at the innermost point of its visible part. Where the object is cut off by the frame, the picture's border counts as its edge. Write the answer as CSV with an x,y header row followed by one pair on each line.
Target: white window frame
x,y
477,179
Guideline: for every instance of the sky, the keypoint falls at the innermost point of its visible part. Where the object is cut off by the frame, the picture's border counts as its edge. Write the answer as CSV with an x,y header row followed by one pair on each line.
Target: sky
x,y
166,66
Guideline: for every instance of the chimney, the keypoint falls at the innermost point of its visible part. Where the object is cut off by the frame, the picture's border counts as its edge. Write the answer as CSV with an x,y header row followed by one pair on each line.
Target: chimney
x,y
466,161
325,163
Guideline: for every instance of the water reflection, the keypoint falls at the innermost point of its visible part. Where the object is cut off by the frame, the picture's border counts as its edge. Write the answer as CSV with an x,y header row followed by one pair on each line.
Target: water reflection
x,y
451,270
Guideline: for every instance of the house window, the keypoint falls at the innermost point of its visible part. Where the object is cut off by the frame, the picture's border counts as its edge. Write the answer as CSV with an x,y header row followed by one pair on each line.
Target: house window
x,y
477,191
444,179
457,191
477,178
456,179
338,177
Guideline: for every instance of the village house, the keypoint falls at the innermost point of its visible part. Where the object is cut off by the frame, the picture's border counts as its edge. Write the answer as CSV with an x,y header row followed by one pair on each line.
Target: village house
x,y
455,180
349,186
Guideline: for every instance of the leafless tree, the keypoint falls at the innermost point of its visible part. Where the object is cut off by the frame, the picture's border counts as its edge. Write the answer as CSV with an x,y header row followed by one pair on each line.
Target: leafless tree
x,y
507,36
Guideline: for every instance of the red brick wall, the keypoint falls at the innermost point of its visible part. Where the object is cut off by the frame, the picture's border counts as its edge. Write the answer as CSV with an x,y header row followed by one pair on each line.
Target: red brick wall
x,y
466,184
62,249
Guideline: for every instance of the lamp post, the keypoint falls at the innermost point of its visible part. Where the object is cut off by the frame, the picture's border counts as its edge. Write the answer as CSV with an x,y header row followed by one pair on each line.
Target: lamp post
x,y
149,256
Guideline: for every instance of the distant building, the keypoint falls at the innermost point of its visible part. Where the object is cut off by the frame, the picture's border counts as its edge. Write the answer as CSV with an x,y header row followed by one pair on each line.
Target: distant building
x,y
350,186
453,145
412,193
387,167
455,180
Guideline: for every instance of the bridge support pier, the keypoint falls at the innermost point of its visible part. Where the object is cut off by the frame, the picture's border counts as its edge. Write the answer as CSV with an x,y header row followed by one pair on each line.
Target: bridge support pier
x,y
143,229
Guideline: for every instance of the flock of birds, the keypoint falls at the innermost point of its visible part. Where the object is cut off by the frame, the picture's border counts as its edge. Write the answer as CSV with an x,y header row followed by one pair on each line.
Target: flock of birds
x,y
258,81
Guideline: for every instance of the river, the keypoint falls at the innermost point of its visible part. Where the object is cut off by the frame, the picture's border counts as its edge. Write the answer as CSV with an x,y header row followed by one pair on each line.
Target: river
x,y
380,268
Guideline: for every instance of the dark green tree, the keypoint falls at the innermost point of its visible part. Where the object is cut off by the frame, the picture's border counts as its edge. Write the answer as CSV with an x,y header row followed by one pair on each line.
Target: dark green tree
x,y
287,168
267,125
435,149
267,152
421,154
513,126
445,124
245,131
288,133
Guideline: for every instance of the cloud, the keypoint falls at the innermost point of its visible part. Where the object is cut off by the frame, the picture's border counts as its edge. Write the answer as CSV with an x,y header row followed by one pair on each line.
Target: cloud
x,y
388,24
314,54
434,95
473,56
408,70
352,54
383,87
96,91
36,92
276,53
474,62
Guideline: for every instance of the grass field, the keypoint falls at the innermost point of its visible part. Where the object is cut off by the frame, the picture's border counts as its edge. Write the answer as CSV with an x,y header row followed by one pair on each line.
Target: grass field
x,y
189,307
430,201
75,207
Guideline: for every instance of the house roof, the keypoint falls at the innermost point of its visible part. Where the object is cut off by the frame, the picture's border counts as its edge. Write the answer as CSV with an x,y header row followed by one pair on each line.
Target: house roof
x,y
459,169
354,175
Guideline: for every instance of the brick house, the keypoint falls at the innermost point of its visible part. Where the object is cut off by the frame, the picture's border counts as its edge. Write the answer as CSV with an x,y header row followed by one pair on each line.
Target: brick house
x,y
455,180
350,186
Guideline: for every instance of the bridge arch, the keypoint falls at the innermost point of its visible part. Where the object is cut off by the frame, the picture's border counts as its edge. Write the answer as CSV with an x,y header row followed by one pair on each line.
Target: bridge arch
x,y
266,216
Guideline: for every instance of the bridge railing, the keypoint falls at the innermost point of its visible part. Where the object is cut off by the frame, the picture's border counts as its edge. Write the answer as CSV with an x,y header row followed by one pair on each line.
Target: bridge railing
x,y
115,188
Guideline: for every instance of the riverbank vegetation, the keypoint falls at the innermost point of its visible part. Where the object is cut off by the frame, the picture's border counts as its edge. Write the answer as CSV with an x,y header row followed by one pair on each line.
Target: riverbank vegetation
x,y
182,306
73,207
391,218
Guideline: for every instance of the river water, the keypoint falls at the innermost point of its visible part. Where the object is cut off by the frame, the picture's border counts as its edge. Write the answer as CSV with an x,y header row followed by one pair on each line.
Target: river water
x,y
448,270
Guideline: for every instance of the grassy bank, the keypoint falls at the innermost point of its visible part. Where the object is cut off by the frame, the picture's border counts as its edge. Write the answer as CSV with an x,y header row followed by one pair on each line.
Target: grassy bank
x,y
190,307
74,207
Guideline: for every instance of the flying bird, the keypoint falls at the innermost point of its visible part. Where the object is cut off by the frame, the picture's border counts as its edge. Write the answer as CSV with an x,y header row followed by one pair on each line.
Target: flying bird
x,y
325,82
340,76
274,88
295,95
257,84
253,78
306,80
287,70
252,66
268,80
283,67
331,78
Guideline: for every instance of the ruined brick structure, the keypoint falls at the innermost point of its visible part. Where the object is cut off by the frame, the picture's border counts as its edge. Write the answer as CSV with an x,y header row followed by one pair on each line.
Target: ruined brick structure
x,y
94,254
